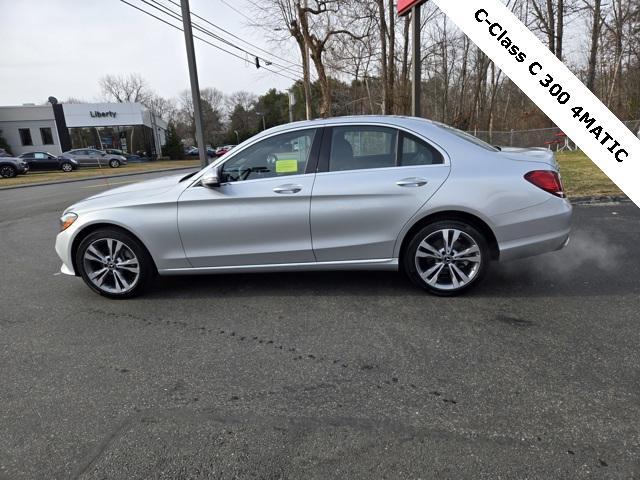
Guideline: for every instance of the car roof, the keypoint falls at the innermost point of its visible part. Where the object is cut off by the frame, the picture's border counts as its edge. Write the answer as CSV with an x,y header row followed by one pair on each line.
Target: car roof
x,y
410,123
422,126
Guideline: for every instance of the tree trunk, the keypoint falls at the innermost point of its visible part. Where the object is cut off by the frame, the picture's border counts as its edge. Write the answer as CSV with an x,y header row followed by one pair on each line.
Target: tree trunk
x,y
595,40
383,60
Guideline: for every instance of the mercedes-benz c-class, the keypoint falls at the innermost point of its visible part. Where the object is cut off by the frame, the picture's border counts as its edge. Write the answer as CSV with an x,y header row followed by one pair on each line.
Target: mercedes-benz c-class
x,y
383,193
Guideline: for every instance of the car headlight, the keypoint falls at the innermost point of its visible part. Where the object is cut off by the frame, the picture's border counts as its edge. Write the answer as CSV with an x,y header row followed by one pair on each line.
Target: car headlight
x,y
67,220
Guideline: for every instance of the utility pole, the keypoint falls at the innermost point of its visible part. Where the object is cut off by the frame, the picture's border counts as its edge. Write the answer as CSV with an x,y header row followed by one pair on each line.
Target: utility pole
x,y
306,64
416,93
292,102
193,77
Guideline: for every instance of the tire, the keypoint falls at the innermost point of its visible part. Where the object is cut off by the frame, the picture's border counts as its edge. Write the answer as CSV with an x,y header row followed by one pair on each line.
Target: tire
x,y
123,275
442,272
8,171
66,167
113,163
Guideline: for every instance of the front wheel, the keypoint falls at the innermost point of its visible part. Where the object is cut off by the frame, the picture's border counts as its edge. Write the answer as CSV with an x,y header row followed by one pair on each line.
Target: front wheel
x,y
114,263
447,257
114,163
66,167
7,171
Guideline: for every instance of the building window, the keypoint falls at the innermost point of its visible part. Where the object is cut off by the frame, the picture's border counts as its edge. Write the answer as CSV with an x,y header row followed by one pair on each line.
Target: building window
x,y
47,137
25,137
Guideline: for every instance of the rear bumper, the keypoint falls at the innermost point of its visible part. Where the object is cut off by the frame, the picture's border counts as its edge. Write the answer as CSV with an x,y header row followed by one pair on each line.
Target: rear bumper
x,y
535,230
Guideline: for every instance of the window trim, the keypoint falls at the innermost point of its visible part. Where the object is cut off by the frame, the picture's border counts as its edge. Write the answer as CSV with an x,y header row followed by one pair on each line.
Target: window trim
x,y
324,127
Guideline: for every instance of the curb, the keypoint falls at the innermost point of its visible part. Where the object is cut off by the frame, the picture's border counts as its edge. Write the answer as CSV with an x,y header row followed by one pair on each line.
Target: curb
x,y
593,200
103,177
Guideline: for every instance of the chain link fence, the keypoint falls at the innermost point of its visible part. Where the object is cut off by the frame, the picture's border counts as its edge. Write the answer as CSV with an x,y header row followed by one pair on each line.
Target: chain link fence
x,y
552,138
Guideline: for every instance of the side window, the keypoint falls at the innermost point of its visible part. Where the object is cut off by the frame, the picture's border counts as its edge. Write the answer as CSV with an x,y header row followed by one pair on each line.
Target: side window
x,y
360,147
278,156
25,137
27,155
40,155
417,152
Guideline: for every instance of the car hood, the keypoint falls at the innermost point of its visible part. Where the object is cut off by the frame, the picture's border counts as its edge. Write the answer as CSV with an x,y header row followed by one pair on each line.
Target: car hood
x,y
538,154
136,193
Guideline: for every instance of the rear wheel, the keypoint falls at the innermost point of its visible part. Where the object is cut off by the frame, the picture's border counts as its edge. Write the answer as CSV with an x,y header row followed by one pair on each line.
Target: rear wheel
x,y
447,257
7,171
114,163
66,167
114,263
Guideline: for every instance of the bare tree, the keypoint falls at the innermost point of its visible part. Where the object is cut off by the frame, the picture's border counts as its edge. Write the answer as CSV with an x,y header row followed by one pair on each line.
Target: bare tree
x,y
129,88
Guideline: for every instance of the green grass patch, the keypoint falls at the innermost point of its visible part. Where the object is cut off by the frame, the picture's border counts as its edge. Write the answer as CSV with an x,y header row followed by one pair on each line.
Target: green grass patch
x,y
582,178
90,172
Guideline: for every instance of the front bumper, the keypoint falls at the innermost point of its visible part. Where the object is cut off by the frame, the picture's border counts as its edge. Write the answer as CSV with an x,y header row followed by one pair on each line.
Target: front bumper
x,y
63,249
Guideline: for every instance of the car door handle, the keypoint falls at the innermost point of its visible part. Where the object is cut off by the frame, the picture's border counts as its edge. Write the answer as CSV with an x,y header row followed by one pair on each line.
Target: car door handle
x,y
412,182
290,188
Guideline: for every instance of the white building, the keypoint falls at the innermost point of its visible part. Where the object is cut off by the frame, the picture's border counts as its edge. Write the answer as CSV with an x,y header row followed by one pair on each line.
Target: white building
x,y
57,128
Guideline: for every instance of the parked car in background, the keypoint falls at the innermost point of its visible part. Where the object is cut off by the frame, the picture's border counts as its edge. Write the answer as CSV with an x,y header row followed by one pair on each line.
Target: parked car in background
x,y
220,151
48,161
90,157
131,157
12,166
370,192
191,152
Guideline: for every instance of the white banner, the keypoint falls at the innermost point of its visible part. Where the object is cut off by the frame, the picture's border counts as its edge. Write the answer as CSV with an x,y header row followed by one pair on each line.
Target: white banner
x,y
552,87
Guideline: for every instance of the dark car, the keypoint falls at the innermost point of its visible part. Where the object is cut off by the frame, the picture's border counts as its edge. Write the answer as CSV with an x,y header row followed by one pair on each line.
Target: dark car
x,y
47,161
12,166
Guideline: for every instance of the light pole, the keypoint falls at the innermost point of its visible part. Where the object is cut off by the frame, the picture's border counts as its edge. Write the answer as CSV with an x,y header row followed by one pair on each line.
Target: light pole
x,y
237,137
193,77
264,127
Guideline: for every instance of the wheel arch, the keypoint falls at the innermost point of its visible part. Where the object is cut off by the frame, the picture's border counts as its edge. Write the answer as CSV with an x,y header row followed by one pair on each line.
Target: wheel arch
x,y
473,220
92,227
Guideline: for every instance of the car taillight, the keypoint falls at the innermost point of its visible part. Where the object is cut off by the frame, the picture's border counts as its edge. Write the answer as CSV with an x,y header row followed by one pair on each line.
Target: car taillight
x,y
547,180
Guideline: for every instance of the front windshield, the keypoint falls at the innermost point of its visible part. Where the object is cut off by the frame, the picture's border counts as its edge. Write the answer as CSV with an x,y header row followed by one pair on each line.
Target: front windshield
x,y
467,136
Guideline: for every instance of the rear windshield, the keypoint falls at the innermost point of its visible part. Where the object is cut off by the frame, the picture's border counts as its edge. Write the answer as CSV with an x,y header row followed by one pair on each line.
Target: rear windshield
x,y
468,137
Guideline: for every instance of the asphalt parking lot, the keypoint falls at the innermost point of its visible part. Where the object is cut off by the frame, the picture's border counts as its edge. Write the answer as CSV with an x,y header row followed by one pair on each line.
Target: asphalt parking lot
x,y
535,374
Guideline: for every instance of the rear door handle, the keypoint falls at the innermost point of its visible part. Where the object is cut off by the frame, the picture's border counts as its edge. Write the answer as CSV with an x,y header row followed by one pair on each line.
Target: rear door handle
x,y
412,182
287,189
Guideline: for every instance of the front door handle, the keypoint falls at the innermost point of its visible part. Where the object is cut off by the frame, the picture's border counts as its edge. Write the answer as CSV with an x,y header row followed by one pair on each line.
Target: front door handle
x,y
288,189
412,182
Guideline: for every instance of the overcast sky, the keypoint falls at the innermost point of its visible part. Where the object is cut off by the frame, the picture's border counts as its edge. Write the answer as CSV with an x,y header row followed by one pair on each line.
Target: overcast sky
x,y
63,47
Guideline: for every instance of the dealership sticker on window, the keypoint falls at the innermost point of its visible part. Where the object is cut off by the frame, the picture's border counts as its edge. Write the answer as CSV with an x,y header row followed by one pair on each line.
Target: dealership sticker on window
x,y
286,166
552,87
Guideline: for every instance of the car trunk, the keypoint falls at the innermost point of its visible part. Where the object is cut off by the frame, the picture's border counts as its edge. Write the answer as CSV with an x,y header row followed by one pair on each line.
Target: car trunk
x,y
542,155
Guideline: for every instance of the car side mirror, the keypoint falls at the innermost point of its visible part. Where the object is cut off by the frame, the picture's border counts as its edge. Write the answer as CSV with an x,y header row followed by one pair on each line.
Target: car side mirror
x,y
210,180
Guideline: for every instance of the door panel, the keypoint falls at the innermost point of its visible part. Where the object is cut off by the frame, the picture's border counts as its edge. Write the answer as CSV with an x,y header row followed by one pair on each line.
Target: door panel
x,y
358,215
253,222
361,198
261,214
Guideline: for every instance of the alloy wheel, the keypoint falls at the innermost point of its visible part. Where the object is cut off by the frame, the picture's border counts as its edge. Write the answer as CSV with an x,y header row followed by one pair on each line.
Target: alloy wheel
x,y
7,171
66,167
111,266
448,259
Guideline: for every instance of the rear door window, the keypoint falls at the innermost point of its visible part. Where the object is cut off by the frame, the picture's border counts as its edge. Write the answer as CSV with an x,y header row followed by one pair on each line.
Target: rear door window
x,y
360,147
417,152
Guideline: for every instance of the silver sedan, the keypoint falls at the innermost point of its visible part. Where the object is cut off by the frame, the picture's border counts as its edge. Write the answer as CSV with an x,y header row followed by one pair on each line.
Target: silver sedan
x,y
383,193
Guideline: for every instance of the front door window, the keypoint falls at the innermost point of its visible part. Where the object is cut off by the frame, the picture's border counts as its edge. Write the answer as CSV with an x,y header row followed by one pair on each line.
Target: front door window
x,y
277,156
